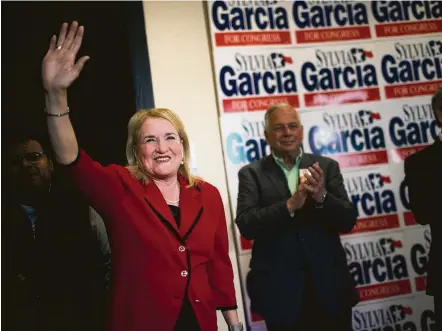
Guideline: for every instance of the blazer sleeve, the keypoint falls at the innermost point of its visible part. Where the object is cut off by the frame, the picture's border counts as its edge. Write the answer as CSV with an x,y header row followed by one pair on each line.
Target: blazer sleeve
x,y
424,203
220,270
252,219
100,185
337,212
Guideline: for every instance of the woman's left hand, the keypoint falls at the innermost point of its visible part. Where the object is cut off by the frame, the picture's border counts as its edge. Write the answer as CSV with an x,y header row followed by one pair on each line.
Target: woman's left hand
x,y
59,69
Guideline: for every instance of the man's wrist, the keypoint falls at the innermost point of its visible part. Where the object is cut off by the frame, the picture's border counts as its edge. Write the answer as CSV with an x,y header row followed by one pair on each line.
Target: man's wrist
x,y
321,197
290,206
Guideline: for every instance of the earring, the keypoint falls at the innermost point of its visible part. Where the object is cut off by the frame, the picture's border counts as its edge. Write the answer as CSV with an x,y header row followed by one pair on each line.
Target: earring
x,y
182,161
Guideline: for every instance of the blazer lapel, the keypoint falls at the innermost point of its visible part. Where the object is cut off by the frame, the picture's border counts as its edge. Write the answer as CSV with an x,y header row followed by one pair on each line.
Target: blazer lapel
x,y
156,201
276,176
306,161
190,208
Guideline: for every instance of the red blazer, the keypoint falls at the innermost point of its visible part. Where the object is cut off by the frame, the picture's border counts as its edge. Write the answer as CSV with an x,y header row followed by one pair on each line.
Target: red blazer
x,y
153,261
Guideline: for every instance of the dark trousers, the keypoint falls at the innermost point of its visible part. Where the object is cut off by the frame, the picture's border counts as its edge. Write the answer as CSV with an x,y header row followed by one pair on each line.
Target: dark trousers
x,y
187,320
438,311
313,317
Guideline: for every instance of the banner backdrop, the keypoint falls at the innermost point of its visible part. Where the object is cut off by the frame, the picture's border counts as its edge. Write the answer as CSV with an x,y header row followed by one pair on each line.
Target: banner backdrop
x,y
362,75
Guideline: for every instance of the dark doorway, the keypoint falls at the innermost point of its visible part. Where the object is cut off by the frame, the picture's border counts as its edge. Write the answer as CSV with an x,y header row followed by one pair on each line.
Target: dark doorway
x,y
106,94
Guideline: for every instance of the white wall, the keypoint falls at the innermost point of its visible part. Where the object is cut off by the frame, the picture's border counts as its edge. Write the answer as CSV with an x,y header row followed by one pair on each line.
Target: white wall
x,y
183,81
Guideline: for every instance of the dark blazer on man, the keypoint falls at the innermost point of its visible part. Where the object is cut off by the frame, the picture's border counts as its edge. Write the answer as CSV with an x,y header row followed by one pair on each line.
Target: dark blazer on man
x,y
284,246
423,175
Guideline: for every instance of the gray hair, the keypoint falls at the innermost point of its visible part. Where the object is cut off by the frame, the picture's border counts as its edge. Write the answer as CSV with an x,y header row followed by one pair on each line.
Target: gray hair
x,y
272,109
436,104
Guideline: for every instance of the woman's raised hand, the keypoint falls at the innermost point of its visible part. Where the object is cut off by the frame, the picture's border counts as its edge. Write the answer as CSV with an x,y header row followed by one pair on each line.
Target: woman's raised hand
x,y
59,69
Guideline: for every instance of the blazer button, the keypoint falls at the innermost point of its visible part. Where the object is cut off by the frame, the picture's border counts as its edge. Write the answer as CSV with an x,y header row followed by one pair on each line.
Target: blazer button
x,y
197,301
184,273
181,249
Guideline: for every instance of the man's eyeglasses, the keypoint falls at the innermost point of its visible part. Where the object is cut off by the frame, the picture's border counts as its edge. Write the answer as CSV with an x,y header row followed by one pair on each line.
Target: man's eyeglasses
x,y
30,157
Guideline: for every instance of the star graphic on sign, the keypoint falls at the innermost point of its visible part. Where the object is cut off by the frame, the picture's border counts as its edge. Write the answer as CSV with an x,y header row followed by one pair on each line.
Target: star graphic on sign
x,y
358,55
379,182
436,47
374,181
387,246
397,312
365,117
278,60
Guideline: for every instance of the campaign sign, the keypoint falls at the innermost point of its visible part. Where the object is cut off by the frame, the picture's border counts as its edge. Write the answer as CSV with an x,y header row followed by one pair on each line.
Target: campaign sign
x,y
243,142
338,74
330,21
254,79
406,18
353,135
378,265
409,67
249,23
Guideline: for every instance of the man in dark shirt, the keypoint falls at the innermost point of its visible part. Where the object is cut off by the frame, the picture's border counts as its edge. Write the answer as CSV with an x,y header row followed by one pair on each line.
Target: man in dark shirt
x,y
423,175
53,273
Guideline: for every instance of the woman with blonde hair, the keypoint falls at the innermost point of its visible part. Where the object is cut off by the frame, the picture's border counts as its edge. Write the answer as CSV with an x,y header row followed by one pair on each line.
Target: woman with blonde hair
x,y
171,268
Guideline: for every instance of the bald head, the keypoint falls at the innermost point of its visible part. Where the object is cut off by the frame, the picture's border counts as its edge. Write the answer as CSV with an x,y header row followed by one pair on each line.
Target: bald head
x,y
284,107
283,129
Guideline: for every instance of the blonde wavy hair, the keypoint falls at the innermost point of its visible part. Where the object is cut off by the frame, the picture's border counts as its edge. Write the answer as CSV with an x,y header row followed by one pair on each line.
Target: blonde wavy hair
x,y
135,166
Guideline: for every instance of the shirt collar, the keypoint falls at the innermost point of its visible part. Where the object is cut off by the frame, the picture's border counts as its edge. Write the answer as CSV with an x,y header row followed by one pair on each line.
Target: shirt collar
x,y
28,209
281,163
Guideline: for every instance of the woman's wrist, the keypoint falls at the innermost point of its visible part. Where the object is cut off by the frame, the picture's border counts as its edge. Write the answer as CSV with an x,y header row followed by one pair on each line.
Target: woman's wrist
x,y
236,327
232,320
56,101
56,96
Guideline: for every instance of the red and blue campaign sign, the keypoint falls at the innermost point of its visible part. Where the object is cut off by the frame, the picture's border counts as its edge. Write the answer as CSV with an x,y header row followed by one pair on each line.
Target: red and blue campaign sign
x,y
394,314
387,315
243,142
330,21
378,265
418,247
410,67
405,18
330,75
254,79
374,193
410,124
380,195
249,23
370,134
354,135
